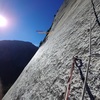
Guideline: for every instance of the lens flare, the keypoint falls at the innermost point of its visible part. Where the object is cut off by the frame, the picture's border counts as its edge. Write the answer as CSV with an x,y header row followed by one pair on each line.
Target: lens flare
x,y
3,21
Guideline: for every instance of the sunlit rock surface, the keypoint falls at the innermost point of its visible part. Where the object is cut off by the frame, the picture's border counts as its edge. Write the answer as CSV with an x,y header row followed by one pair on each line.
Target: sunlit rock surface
x,y
46,75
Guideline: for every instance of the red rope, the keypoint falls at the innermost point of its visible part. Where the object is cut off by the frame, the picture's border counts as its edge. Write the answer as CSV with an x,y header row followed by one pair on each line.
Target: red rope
x,y
69,80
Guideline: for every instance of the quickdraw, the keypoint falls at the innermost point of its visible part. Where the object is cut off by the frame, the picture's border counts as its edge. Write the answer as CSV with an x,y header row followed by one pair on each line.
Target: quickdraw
x,y
78,62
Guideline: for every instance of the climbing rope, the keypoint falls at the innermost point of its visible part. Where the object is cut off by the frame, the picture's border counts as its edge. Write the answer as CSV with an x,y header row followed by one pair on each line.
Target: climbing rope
x,y
89,60
97,19
87,87
69,80
78,63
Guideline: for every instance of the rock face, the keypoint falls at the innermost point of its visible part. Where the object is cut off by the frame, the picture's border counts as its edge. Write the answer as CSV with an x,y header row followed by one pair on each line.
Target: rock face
x,y
46,75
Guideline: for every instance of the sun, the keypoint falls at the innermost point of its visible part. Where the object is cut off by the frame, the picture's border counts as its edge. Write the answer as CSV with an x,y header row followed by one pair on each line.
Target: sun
x,y
3,21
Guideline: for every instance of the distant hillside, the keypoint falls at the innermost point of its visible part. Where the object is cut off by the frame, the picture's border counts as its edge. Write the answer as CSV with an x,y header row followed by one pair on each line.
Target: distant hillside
x,y
14,56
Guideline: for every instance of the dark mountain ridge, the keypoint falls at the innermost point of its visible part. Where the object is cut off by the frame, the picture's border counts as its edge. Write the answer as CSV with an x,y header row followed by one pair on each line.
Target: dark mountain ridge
x,y
14,56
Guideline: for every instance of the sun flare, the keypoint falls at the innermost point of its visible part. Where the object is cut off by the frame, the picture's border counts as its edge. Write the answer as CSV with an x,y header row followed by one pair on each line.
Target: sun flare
x,y
3,21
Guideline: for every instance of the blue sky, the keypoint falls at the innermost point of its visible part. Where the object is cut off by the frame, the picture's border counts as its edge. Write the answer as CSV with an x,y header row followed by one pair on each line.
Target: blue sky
x,y
25,17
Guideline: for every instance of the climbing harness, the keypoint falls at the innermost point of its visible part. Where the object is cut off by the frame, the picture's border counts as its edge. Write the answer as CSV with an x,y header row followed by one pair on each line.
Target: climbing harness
x,y
78,63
